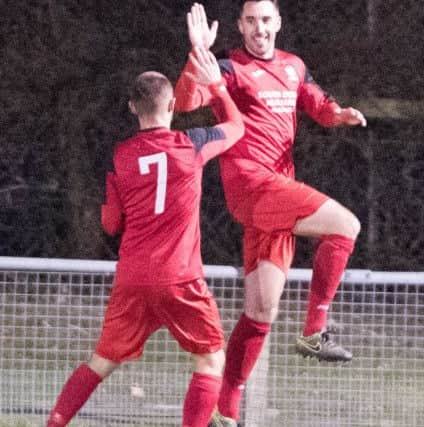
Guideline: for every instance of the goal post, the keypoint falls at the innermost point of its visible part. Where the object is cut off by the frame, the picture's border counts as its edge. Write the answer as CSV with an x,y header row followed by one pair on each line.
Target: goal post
x,y
51,312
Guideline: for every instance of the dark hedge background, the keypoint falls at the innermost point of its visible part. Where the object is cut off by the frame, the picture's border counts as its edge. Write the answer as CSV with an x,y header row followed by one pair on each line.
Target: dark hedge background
x,y
65,69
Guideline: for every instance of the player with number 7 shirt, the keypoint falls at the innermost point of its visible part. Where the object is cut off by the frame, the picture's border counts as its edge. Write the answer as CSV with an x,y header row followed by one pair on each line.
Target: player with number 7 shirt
x,y
153,199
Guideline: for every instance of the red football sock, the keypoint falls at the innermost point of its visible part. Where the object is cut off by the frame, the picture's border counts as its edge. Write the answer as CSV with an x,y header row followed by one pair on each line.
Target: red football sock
x,y
74,394
243,350
201,399
329,262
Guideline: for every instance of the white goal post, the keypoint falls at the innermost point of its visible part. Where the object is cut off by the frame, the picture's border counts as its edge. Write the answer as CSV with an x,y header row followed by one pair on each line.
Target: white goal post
x,y
50,317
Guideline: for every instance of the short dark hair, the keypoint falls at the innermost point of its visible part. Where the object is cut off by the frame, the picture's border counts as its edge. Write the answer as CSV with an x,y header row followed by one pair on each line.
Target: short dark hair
x,y
148,92
274,2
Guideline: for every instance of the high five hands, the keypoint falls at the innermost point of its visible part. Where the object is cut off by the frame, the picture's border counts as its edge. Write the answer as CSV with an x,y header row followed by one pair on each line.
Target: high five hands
x,y
199,32
206,66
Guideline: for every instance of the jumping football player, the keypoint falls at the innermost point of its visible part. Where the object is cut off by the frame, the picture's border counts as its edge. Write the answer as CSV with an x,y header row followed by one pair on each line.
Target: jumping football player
x,y
268,86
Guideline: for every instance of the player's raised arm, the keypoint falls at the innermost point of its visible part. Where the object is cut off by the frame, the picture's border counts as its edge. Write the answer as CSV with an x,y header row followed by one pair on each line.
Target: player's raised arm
x,y
212,141
324,109
112,214
190,95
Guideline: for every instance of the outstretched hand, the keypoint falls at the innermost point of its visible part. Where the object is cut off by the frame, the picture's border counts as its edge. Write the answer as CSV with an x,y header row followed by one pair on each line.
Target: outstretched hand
x,y
206,66
198,28
350,117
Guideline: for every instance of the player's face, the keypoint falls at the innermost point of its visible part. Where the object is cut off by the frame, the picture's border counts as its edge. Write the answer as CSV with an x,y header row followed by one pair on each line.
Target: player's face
x,y
259,24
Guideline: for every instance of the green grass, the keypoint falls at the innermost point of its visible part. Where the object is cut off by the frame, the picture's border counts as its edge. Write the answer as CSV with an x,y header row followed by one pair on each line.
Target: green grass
x,y
13,421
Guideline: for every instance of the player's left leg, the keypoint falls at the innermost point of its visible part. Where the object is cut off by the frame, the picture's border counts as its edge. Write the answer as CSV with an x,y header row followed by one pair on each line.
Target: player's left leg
x,y
203,391
190,313
79,387
337,229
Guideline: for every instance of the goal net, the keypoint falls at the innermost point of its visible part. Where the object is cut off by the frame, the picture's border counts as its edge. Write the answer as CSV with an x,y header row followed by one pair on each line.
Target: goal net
x,y
51,313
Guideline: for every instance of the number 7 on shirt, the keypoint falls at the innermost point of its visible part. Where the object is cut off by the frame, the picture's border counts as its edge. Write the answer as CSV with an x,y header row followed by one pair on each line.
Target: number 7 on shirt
x,y
162,162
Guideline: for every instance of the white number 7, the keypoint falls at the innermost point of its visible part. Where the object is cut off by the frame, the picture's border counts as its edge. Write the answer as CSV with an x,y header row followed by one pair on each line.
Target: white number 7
x,y
162,162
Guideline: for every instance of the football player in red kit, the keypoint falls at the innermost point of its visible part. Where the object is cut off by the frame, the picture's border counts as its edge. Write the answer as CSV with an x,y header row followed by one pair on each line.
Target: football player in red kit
x,y
268,86
153,198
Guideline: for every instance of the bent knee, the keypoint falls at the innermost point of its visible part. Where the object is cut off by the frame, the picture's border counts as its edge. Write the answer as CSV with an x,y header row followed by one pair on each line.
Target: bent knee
x,y
352,227
346,224
330,218
263,314
356,226
210,363
101,366
218,360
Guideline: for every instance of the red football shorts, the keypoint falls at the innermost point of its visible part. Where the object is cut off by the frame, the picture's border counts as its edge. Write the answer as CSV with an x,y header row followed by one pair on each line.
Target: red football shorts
x,y
188,310
268,214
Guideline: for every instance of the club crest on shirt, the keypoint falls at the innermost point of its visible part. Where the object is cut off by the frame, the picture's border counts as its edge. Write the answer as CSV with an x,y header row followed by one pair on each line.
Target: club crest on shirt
x,y
258,73
291,73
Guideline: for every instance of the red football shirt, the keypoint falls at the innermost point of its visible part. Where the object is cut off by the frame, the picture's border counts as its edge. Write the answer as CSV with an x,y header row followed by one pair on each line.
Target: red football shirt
x,y
153,197
268,93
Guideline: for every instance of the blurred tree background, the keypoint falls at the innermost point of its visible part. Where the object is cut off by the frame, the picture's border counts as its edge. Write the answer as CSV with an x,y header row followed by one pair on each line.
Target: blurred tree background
x,y
66,66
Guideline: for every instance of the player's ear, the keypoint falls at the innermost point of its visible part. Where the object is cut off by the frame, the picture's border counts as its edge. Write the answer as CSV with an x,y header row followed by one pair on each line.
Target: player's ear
x,y
278,23
240,26
171,105
132,108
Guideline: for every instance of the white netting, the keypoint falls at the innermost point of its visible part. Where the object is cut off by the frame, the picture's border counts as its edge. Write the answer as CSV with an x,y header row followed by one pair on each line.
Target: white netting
x,y
50,321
